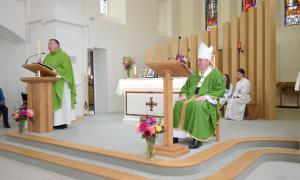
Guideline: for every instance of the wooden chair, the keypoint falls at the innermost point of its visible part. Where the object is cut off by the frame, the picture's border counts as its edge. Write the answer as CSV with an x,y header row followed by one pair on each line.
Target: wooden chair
x,y
218,131
251,111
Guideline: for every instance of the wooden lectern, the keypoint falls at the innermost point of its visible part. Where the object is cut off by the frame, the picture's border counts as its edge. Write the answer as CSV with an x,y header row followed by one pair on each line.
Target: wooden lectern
x,y
39,97
168,70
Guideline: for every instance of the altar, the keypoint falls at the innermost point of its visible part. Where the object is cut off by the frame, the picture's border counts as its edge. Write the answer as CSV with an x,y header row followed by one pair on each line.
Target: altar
x,y
144,96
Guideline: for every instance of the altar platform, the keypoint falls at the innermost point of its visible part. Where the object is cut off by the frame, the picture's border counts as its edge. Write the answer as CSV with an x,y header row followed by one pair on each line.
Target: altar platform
x,y
104,145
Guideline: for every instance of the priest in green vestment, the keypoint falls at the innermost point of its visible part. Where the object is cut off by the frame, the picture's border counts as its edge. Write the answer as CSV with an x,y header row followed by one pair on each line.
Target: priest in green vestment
x,y
197,112
64,90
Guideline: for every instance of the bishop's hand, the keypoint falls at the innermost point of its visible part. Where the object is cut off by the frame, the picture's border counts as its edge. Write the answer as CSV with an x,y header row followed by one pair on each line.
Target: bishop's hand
x,y
201,99
182,98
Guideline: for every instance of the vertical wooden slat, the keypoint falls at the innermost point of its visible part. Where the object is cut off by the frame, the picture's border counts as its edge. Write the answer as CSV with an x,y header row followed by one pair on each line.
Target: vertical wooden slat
x,y
226,49
149,55
214,44
270,59
244,41
235,34
158,53
174,48
252,52
166,51
184,46
260,59
193,51
205,38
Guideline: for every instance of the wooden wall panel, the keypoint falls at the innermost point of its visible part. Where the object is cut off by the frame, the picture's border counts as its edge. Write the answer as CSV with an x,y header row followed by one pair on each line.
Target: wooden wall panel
x,y
244,41
149,54
252,52
235,36
157,53
193,51
184,45
226,52
270,59
260,60
206,38
166,51
214,44
174,48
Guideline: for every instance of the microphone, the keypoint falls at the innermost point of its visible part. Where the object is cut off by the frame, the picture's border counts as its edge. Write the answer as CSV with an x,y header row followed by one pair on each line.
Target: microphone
x,y
34,56
178,53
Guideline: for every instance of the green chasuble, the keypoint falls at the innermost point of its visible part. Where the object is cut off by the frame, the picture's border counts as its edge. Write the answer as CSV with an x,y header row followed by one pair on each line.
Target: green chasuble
x,y
199,119
61,62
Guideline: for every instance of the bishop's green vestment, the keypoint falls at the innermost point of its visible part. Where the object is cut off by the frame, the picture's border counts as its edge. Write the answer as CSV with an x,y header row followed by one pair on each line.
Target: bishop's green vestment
x,y
61,62
199,119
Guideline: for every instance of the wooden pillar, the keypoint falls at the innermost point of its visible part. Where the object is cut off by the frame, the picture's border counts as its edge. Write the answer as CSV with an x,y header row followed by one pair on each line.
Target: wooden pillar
x,y
235,36
158,53
184,45
174,48
206,38
270,59
244,41
260,60
149,55
226,49
214,44
166,52
193,51
252,52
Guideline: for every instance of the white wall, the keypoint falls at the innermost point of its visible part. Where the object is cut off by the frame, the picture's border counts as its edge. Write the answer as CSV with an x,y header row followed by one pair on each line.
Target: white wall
x,y
287,47
12,14
12,57
100,80
132,39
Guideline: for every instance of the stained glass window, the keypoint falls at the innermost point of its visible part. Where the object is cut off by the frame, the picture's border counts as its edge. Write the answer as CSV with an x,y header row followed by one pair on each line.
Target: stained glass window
x,y
246,4
291,12
103,6
211,14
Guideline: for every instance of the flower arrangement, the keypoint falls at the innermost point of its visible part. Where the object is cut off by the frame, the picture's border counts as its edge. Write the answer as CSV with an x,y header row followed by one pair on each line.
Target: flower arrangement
x,y
181,58
128,64
150,127
21,116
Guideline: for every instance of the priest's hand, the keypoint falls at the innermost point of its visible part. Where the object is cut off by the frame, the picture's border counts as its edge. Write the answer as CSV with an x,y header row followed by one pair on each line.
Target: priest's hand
x,y
58,76
182,98
201,99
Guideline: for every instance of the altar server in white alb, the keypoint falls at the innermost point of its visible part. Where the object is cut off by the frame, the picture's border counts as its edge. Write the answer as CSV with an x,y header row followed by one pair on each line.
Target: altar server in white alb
x,y
236,105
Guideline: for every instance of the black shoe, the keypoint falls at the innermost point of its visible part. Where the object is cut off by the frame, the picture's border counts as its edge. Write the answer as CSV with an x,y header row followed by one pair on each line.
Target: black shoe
x,y
63,126
195,144
175,140
7,126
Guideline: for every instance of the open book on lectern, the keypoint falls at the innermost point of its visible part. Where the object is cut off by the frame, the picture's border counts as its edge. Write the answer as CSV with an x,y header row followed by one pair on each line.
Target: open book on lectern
x,y
44,66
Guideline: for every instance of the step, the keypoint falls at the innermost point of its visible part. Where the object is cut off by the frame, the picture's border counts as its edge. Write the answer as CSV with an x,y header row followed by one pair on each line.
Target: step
x,y
241,167
193,164
62,165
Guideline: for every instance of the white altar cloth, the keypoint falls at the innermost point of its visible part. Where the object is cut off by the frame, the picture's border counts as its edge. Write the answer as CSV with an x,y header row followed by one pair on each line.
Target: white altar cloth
x,y
138,93
147,84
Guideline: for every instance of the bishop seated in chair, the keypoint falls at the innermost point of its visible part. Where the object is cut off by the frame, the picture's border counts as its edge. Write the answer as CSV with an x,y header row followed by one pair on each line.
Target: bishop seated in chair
x,y
196,113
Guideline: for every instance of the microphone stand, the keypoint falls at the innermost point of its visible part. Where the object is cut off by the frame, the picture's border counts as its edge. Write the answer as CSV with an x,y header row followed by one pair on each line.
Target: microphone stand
x,y
33,56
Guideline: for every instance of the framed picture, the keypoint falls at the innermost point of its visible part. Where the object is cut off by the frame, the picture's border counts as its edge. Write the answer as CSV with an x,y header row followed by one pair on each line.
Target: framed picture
x,y
151,74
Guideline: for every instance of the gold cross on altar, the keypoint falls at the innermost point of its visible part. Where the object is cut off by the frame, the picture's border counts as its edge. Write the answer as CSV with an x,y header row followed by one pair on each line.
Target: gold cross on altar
x,y
151,104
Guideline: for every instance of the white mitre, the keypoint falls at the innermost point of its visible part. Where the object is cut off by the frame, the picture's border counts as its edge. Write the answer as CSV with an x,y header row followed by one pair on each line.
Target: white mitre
x,y
205,52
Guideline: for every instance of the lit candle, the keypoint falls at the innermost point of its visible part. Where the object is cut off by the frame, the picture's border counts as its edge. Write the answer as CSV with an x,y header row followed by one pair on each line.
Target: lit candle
x,y
134,71
38,47
38,50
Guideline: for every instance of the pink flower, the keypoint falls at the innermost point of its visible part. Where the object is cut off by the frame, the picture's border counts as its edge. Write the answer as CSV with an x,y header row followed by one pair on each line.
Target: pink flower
x,y
151,130
16,115
147,133
142,126
29,113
